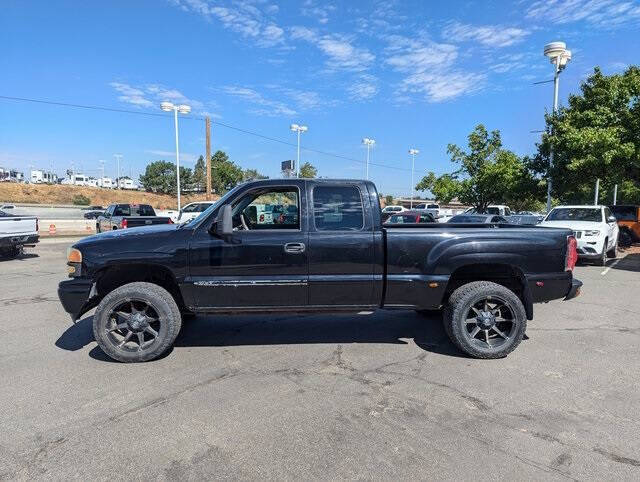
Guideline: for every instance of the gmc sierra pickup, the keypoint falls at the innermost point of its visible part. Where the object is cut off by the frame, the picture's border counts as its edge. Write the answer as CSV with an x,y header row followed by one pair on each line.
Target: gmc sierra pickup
x,y
123,216
334,255
16,232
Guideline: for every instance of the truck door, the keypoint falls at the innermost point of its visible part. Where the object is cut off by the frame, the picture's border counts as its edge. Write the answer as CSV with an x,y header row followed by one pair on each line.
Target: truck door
x,y
341,246
264,263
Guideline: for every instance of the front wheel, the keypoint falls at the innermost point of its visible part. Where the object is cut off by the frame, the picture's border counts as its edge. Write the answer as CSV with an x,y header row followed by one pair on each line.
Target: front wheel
x,y
485,319
601,260
136,322
613,252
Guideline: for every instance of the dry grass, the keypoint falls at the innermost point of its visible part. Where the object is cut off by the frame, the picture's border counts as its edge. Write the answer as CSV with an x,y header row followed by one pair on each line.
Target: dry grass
x,y
60,194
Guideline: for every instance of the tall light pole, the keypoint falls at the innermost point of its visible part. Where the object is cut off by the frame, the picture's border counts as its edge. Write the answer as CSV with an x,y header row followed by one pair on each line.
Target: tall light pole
x,y
118,157
559,56
369,143
183,109
413,153
102,167
298,128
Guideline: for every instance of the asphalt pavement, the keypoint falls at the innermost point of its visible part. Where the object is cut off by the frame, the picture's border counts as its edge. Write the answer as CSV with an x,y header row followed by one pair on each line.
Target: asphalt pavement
x,y
383,396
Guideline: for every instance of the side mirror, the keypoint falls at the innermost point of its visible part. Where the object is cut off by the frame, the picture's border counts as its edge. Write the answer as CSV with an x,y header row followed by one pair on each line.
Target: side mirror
x,y
223,225
612,219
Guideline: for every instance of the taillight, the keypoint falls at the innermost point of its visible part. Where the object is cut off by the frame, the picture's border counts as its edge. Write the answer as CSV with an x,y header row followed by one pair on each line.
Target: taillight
x,y
572,254
170,222
262,218
123,223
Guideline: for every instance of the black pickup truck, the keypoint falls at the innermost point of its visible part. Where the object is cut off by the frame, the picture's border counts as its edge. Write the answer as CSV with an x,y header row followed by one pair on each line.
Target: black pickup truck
x,y
334,256
123,216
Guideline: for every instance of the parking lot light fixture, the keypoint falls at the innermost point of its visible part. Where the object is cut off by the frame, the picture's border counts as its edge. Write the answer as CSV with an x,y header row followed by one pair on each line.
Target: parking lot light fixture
x,y
559,56
413,153
369,143
298,129
182,109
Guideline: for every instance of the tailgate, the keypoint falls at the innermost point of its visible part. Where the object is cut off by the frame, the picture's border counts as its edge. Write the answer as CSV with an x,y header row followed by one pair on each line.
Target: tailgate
x,y
138,221
12,225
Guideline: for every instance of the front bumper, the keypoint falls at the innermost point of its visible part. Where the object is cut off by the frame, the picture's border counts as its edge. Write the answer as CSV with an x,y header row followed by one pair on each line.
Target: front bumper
x,y
590,247
76,296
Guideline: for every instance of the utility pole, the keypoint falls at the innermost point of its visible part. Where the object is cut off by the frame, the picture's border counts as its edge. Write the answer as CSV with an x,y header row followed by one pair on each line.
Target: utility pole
x,y
102,167
207,125
413,153
615,194
595,198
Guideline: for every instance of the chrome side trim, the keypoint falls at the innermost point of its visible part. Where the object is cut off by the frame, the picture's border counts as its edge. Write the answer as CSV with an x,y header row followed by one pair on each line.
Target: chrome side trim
x,y
236,283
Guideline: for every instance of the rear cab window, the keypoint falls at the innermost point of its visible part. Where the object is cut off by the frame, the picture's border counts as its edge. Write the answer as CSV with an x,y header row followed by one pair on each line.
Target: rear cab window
x,y
337,208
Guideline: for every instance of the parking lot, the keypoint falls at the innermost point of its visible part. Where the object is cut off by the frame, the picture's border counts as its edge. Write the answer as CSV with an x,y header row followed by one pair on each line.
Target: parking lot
x,y
321,397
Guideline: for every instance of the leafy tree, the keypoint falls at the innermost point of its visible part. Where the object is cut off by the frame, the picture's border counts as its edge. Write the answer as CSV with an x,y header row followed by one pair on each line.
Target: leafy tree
x,y
487,174
200,174
81,200
160,176
388,199
225,173
252,174
596,136
308,170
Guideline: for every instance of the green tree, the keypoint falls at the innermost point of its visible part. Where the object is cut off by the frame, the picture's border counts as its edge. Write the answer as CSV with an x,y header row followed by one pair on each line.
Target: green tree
x,y
308,170
596,136
388,199
252,174
225,174
160,176
487,173
200,175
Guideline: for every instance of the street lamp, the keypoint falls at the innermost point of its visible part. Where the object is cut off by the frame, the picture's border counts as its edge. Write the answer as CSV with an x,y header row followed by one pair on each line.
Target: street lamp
x,y
369,143
183,109
413,153
559,56
298,128
118,158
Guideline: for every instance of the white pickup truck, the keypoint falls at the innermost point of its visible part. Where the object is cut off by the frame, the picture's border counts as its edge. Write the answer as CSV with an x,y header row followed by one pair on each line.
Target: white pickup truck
x,y
16,232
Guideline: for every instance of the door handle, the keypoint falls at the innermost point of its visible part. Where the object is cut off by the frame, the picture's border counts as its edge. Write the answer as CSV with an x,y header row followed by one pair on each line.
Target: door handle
x,y
294,248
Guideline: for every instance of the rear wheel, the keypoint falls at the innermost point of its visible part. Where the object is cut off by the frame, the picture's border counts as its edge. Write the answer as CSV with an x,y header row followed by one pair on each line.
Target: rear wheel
x,y
136,322
485,319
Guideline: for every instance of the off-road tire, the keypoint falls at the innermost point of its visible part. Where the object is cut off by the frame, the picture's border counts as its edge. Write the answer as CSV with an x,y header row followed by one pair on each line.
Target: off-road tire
x,y
458,306
162,302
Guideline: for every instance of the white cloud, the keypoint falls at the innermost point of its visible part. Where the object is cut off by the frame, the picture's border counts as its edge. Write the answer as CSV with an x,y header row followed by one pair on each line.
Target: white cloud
x,y
131,95
603,13
242,17
429,69
319,11
265,106
171,155
364,88
151,95
303,33
487,35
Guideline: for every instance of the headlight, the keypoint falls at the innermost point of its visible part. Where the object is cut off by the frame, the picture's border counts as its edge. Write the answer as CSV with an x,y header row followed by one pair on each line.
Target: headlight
x,y
74,262
595,232
74,255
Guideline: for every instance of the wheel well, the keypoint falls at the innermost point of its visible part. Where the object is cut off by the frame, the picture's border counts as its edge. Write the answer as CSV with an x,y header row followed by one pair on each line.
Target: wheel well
x,y
116,276
503,274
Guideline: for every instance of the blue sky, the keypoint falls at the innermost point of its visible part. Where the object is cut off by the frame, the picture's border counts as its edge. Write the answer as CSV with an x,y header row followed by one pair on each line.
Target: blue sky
x,y
408,74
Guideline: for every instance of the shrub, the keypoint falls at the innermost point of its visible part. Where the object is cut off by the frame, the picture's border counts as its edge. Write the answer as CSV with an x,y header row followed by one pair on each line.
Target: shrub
x,y
81,200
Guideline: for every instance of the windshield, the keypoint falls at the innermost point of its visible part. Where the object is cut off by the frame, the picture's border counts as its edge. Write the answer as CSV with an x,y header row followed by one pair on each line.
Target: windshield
x,y
467,219
575,214
207,211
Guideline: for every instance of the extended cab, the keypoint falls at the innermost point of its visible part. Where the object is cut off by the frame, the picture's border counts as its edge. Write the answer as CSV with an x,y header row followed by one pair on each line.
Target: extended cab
x,y
334,255
122,216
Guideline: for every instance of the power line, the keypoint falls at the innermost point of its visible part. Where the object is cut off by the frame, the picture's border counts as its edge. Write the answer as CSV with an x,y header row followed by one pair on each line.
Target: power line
x,y
220,124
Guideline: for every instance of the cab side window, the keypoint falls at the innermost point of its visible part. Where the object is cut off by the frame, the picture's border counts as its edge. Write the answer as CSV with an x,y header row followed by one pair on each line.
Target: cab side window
x,y
337,208
267,209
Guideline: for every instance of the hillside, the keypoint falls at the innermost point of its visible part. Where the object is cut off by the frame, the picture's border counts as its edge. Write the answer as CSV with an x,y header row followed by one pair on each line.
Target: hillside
x,y
60,194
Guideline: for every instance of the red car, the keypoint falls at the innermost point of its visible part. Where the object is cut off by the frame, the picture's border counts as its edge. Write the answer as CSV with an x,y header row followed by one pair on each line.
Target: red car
x,y
411,217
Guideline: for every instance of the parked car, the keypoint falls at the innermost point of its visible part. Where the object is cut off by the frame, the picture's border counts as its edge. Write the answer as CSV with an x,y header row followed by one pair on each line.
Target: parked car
x,y
16,232
411,217
193,210
335,257
394,209
93,214
595,229
628,217
478,219
123,216
93,208
4,207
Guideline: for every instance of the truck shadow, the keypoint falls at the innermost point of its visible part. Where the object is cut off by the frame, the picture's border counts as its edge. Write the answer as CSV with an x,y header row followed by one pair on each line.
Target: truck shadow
x,y
390,327
630,262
